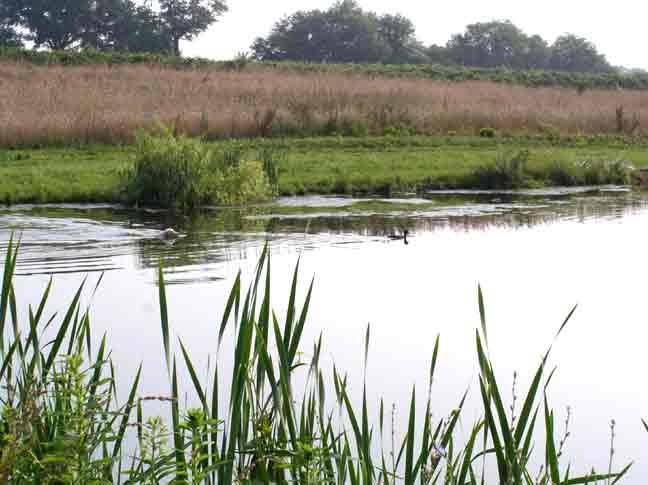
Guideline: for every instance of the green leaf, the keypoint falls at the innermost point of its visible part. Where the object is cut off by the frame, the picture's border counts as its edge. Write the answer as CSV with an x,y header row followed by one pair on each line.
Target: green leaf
x,y
233,299
551,455
194,377
164,318
58,340
409,451
126,414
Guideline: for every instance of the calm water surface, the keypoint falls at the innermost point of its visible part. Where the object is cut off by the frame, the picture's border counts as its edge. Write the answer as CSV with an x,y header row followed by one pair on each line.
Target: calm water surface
x,y
536,255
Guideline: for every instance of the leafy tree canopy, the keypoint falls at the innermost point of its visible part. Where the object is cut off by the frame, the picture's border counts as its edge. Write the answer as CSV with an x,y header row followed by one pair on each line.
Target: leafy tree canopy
x,y
573,53
343,33
108,24
502,44
185,19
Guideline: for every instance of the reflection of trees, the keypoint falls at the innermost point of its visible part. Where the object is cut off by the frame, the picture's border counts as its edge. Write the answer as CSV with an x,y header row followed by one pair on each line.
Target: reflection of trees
x,y
498,213
225,235
220,235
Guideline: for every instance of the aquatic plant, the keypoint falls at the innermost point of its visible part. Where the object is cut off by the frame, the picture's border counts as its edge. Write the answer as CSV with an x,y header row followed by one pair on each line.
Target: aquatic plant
x,y
515,170
508,171
174,171
60,422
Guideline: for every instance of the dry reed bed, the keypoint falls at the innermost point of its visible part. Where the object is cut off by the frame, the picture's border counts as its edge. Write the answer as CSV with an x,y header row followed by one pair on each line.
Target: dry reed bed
x,y
46,105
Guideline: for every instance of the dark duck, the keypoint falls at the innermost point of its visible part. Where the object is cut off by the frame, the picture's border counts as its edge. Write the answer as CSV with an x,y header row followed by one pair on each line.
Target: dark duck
x,y
400,237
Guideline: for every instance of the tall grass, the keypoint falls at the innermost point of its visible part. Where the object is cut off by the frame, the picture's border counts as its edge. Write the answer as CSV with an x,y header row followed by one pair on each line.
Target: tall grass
x,y
61,422
49,105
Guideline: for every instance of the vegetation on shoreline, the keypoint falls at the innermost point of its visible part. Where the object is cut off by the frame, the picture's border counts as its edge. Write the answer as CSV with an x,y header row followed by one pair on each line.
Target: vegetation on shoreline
x,y
183,173
61,421
365,165
431,72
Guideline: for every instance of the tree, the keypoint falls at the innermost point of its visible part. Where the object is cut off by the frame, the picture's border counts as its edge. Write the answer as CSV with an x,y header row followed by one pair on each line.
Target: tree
x,y
123,25
398,32
438,54
9,37
572,53
354,35
536,53
343,33
185,19
489,44
56,24
302,36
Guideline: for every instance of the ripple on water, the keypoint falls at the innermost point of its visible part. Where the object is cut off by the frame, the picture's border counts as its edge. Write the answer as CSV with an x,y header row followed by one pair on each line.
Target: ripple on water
x,y
70,238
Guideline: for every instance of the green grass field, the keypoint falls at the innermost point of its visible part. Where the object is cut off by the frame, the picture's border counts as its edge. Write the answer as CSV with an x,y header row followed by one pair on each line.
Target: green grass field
x,y
314,165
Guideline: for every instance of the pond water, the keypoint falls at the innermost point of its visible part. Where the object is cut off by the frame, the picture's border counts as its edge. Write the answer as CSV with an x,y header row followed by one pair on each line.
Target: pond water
x,y
536,254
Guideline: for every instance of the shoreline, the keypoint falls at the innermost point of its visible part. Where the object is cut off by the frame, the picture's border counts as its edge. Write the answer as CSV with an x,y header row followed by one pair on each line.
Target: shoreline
x,y
336,165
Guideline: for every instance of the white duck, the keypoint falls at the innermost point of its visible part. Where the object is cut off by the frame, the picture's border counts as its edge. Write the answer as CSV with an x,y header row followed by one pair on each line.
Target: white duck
x,y
169,234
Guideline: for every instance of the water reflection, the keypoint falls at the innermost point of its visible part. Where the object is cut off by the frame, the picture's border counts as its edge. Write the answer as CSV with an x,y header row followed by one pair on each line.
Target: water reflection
x,y
95,238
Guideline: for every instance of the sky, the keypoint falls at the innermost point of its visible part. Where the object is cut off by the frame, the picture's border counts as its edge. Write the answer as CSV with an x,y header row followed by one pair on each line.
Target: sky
x,y
617,28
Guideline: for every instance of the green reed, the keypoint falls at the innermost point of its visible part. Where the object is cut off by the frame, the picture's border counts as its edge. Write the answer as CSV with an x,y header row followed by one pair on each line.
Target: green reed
x,y
61,421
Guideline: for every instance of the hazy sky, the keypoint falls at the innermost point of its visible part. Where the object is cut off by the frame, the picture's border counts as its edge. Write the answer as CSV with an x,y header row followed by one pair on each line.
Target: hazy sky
x,y
618,28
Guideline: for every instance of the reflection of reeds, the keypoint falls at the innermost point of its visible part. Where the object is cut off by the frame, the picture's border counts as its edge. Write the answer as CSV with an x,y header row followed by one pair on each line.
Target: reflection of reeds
x,y
60,421
105,104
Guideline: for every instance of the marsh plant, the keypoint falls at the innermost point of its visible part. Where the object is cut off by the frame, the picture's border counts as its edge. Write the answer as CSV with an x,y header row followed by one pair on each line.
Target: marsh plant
x,y
508,171
175,171
516,170
288,419
106,100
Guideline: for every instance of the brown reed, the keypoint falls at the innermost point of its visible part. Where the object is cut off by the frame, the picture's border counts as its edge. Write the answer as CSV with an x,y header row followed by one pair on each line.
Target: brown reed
x,y
102,104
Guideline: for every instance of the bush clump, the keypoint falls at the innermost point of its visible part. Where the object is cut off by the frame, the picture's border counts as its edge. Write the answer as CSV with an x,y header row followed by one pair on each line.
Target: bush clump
x,y
178,172
488,133
507,172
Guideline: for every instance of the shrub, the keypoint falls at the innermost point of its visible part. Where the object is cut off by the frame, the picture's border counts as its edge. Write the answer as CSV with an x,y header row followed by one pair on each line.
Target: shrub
x,y
506,172
237,185
487,133
563,173
356,128
597,172
183,173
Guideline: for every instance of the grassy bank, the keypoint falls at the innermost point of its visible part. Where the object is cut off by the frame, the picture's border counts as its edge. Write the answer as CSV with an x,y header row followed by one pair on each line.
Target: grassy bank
x,y
287,420
336,165
434,72
64,105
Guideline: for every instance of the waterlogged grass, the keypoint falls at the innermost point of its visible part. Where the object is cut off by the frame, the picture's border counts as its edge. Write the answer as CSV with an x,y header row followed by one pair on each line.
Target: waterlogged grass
x,y
60,421
328,165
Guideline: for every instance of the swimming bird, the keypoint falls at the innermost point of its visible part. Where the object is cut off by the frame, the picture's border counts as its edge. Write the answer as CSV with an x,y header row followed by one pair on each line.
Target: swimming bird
x,y
169,233
397,237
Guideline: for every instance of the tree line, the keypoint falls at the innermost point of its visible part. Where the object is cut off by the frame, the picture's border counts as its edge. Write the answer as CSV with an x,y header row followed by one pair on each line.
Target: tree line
x,y
344,33
347,33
